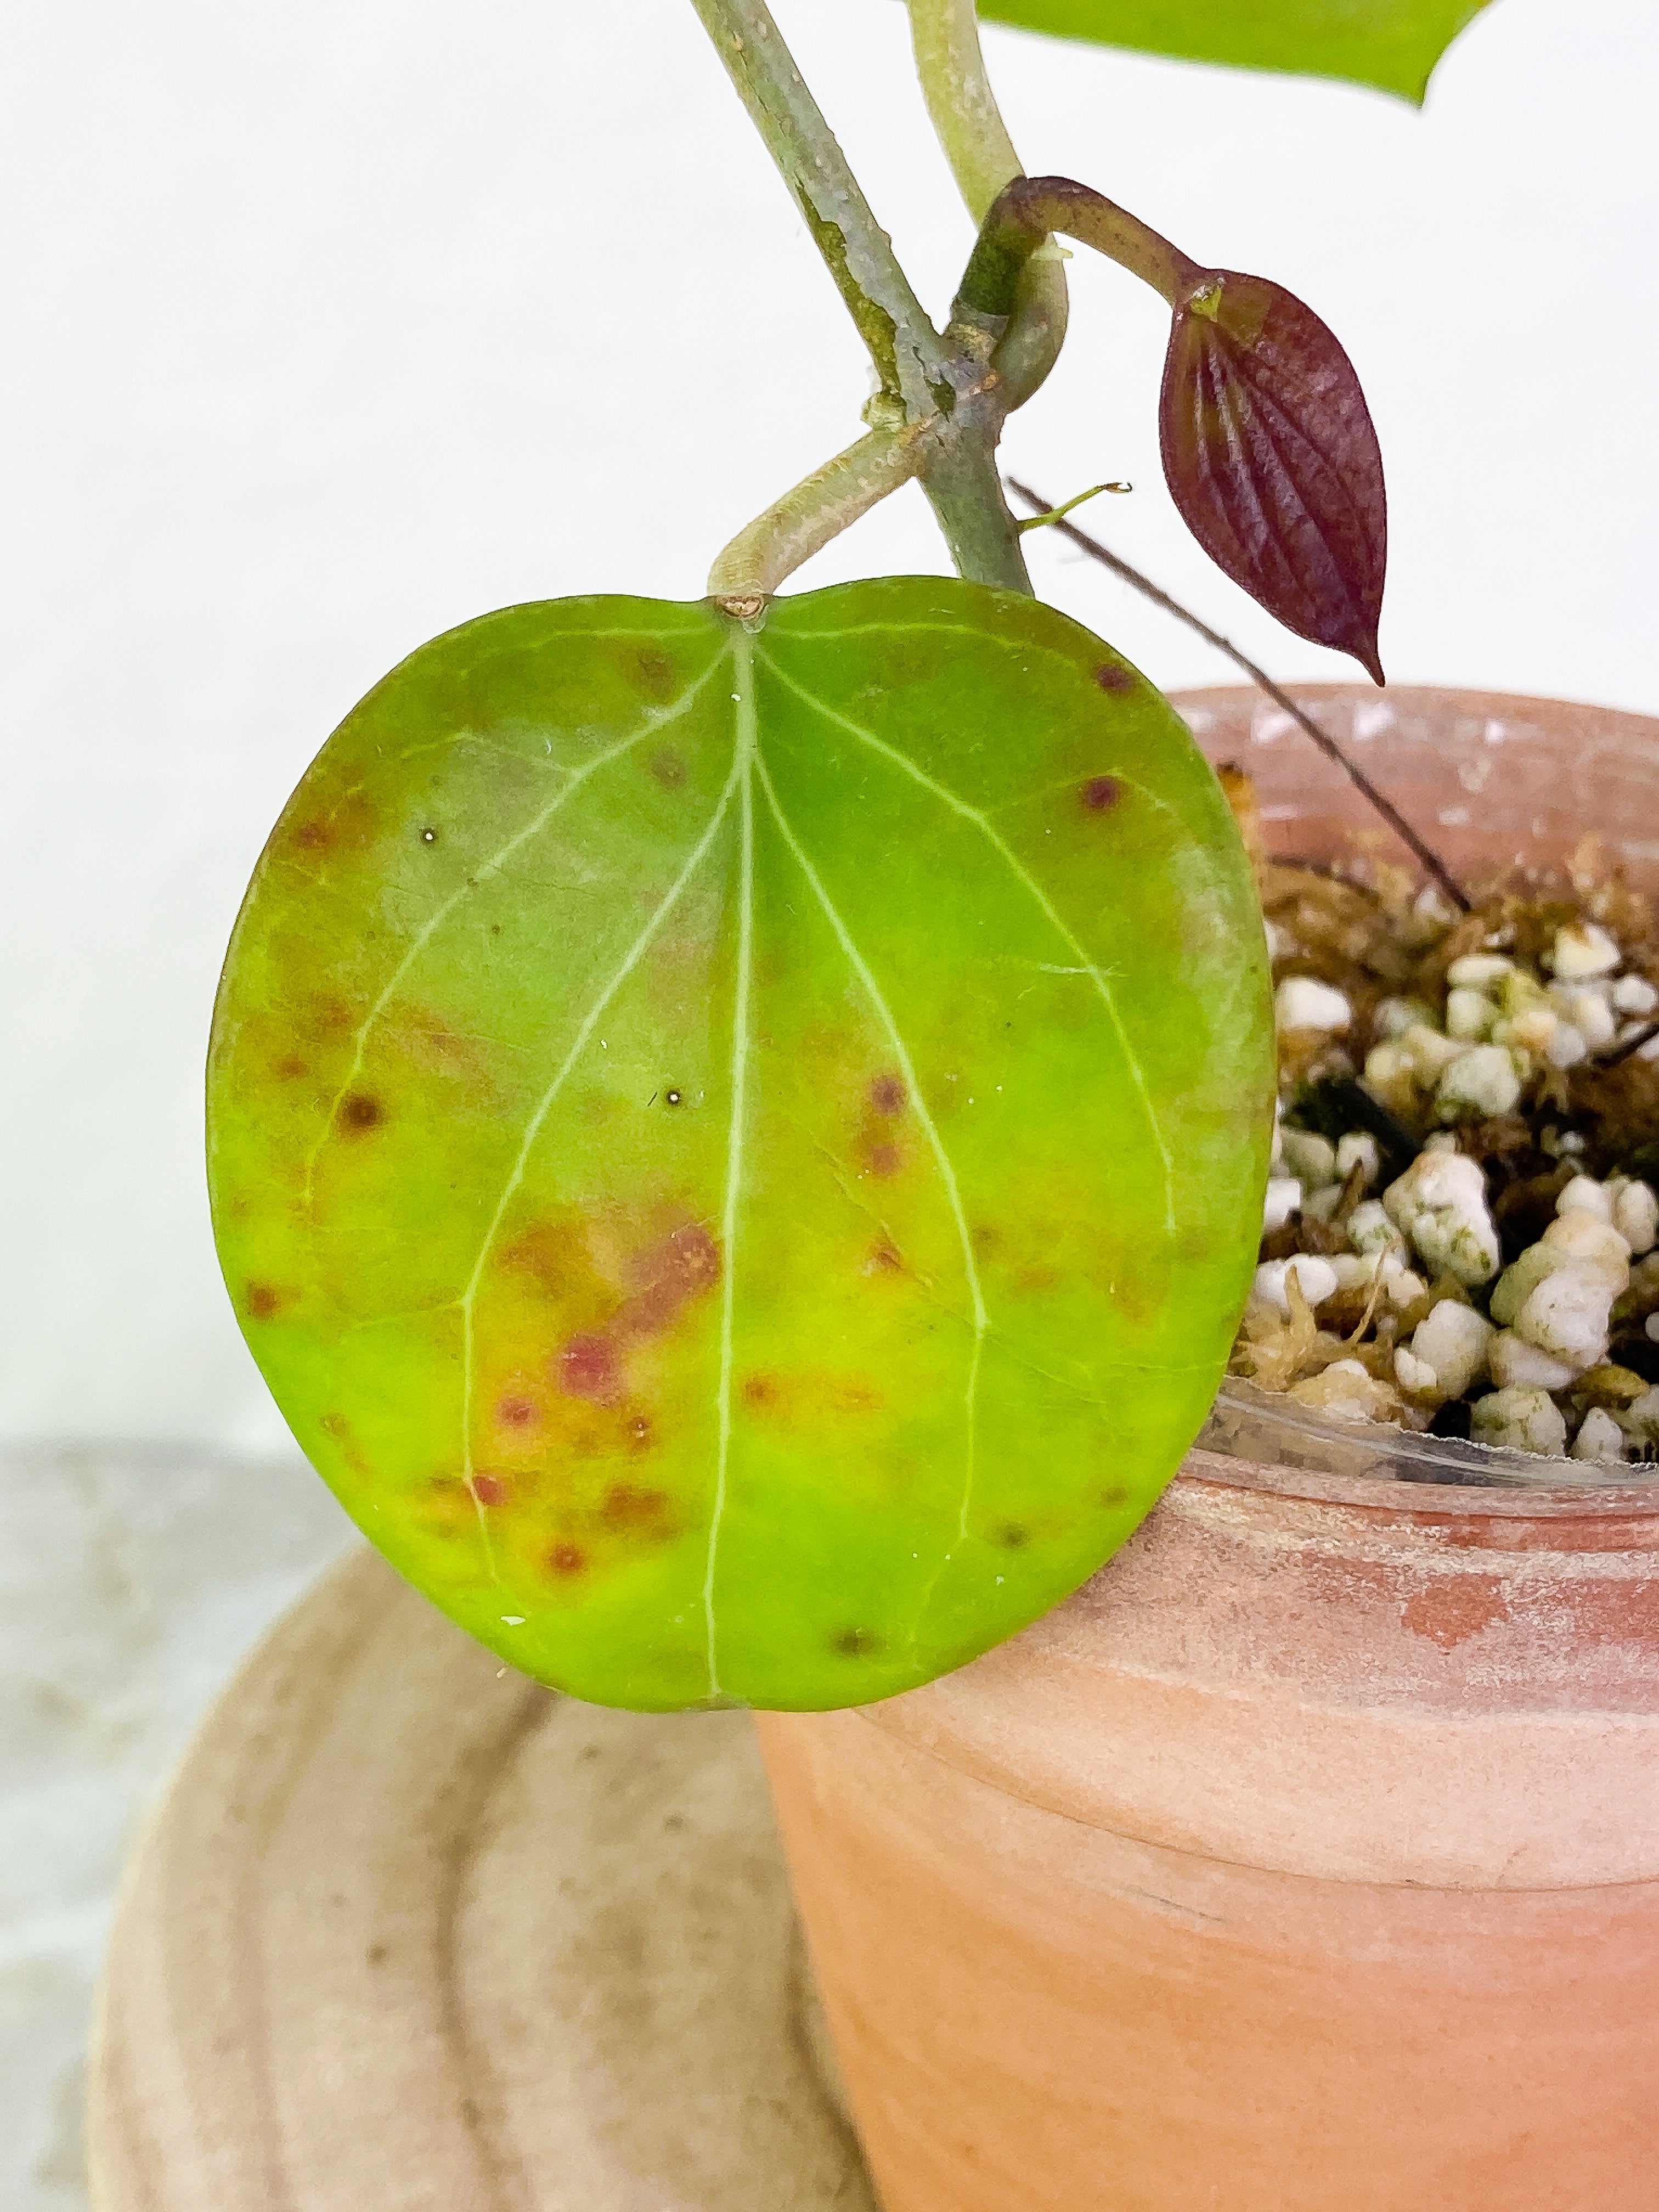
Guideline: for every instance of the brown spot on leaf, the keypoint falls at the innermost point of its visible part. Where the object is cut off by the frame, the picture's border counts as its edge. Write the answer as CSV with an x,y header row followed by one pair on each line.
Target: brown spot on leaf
x,y
361,1111
1115,1496
684,1266
291,1067
656,672
588,1367
265,1299
1100,794
1112,676
1012,1537
855,1642
885,1258
566,1558
491,1489
668,768
554,1252
517,1413
641,1434
627,1506
760,1390
887,1094
884,1160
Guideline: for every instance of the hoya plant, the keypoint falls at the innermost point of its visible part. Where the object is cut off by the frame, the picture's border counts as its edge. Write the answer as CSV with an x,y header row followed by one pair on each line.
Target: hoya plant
x,y
738,1127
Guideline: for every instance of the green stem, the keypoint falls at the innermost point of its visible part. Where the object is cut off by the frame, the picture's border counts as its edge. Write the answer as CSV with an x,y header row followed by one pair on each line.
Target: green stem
x,y
906,349
775,544
1021,219
965,492
968,123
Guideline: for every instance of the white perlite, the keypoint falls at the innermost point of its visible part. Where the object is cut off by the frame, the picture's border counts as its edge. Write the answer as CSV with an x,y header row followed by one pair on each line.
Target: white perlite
x,y
1599,1437
1519,1419
1586,949
1514,1361
1440,1204
1481,1081
1302,1003
1369,1229
1315,1279
1284,1195
1454,1342
1309,1157
1584,1194
1358,1149
1635,1213
1477,970
1568,1315
1469,1014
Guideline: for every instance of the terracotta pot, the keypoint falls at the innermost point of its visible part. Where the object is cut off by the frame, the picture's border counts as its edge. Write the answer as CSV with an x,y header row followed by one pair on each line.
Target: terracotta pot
x,y
1307,1860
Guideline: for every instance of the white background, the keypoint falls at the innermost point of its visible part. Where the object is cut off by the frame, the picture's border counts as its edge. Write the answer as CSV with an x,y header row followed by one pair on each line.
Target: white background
x,y
331,322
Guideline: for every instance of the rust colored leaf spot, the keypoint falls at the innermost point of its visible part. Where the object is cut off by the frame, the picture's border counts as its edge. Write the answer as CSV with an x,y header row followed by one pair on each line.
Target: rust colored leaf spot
x,y
885,1258
291,1067
265,1299
1116,1495
641,1434
517,1413
361,1111
760,1390
1454,1608
855,1642
656,673
669,769
684,1266
884,1160
1100,794
334,1424
887,1094
627,1506
566,1558
1112,676
490,1489
1012,1537
589,1368
315,835
553,1252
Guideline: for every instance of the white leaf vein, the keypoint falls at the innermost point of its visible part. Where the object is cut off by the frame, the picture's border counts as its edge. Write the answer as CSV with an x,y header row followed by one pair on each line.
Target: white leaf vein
x,y
656,718
548,1098
988,830
861,969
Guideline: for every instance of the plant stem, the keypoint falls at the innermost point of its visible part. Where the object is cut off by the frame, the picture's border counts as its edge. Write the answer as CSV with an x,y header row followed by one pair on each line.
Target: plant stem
x,y
906,349
775,544
1326,743
1020,220
968,123
965,492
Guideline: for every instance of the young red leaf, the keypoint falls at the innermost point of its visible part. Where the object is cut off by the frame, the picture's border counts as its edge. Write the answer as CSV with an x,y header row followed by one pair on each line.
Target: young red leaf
x,y
1270,455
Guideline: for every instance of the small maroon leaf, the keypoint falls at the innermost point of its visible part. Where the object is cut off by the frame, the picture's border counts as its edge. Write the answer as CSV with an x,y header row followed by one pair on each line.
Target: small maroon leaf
x,y
1270,455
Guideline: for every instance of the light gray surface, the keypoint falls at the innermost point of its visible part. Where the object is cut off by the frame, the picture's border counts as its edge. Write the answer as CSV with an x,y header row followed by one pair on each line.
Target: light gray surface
x,y
132,1581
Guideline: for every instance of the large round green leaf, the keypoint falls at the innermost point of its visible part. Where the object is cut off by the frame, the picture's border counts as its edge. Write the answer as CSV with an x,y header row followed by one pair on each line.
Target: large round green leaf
x,y
1391,44
739,1155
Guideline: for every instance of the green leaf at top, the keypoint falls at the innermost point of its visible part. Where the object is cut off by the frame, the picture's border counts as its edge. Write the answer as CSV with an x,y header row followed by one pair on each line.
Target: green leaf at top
x,y
1391,44
739,1156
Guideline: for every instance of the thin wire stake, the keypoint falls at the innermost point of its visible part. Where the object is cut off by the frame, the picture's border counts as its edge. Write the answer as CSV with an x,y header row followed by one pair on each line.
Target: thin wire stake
x,y
1326,743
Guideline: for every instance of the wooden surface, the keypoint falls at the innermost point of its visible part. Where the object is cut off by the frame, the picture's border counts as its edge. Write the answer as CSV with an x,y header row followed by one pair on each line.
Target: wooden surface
x,y
410,1934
